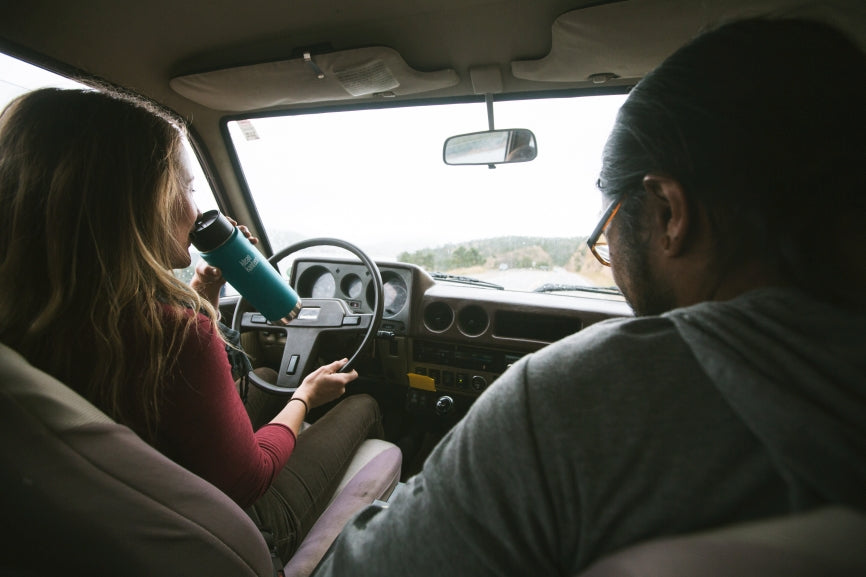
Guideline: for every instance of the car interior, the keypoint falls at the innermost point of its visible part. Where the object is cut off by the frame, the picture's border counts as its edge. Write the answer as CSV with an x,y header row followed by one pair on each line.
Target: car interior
x,y
422,175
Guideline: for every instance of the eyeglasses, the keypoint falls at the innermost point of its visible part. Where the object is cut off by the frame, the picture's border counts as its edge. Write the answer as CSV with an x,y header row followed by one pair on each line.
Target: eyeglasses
x,y
597,241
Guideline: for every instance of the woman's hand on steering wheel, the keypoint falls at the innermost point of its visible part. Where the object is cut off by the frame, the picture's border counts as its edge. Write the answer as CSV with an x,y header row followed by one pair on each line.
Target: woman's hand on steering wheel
x,y
325,384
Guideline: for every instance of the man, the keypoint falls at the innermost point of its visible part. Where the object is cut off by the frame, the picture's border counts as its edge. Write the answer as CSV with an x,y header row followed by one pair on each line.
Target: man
x,y
734,187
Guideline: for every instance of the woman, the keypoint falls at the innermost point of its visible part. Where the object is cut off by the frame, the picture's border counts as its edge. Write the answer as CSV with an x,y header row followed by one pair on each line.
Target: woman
x,y
96,209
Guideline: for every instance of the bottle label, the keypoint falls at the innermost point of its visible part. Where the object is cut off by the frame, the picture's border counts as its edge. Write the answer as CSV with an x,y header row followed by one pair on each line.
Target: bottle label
x,y
249,262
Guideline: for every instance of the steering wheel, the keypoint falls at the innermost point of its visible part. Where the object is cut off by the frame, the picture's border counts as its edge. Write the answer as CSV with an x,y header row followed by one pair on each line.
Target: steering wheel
x,y
316,317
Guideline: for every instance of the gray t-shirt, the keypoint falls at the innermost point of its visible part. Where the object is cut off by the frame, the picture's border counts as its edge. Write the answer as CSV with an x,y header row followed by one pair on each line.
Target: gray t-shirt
x,y
631,429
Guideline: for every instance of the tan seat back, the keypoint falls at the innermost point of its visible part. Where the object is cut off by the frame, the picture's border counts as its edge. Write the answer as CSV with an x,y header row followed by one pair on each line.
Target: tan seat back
x,y
826,542
81,494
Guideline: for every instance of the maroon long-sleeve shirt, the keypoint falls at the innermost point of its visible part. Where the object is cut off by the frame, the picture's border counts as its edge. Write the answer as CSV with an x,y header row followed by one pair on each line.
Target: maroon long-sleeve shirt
x,y
204,426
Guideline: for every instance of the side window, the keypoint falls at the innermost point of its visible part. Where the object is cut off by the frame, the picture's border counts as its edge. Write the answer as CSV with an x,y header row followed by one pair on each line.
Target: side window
x,y
18,77
204,199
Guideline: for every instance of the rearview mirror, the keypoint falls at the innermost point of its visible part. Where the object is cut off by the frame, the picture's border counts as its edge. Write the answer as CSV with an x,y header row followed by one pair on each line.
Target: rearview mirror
x,y
491,147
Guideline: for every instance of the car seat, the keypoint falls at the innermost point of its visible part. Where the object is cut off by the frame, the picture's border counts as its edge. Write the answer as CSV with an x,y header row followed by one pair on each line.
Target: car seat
x,y
825,542
82,494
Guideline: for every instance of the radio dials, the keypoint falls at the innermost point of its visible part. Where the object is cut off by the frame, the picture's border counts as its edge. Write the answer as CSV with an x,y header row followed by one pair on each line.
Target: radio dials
x,y
443,405
478,383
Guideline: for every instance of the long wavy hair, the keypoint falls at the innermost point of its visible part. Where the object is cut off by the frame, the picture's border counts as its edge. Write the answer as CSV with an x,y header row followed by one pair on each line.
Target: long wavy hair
x,y
89,193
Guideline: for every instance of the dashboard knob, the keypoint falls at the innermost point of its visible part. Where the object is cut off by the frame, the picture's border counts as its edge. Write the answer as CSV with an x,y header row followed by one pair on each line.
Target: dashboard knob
x,y
444,405
478,383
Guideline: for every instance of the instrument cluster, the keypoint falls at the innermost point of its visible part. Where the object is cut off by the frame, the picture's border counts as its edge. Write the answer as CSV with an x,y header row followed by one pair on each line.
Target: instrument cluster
x,y
352,282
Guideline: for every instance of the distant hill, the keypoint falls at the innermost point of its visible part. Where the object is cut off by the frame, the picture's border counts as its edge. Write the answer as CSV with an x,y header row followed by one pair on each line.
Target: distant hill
x,y
508,252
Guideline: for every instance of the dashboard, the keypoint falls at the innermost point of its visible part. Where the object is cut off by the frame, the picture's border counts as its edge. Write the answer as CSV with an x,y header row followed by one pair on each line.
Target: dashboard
x,y
443,337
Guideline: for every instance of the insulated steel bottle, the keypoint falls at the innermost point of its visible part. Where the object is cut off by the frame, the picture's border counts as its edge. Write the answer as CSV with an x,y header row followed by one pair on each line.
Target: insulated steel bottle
x,y
222,245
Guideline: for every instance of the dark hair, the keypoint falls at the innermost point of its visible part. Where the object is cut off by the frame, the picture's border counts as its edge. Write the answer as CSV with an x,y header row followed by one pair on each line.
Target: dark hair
x,y
763,123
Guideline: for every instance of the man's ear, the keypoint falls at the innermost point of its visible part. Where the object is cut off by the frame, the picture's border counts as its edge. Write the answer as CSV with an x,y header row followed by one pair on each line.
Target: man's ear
x,y
671,212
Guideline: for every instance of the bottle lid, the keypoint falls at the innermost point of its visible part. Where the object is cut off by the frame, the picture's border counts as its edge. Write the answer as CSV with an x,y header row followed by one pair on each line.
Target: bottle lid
x,y
211,230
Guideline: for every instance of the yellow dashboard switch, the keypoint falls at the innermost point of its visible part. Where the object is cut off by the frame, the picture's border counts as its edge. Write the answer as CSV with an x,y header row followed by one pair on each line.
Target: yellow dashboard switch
x,y
422,382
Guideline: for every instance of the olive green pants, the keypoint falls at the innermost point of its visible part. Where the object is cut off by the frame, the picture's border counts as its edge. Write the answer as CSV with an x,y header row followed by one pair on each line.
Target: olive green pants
x,y
302,490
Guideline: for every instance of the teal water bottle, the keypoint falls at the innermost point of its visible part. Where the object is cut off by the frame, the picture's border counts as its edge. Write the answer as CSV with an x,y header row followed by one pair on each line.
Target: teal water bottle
x,y
222,245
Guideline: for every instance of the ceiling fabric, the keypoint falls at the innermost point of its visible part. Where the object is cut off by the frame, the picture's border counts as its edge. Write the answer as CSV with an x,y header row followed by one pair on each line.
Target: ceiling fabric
x,y
628,39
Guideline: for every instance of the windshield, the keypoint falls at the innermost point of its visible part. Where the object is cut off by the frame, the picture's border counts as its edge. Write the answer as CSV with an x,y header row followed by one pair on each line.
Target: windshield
x,y
377,179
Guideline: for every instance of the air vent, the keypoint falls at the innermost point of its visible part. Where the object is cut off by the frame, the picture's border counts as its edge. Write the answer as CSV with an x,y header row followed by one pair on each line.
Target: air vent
x,y
472,321
438,316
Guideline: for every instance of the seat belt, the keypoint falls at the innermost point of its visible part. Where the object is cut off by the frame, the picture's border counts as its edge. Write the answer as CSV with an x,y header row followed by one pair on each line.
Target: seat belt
x,y
275,559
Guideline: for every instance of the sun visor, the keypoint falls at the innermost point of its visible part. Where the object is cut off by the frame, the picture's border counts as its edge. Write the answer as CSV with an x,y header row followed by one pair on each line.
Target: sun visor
x,y
344,75
628,39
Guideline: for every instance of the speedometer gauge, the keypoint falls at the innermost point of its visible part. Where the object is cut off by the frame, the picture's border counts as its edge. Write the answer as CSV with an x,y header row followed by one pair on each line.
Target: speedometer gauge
x,y
324,287
395,293
395,297
316,282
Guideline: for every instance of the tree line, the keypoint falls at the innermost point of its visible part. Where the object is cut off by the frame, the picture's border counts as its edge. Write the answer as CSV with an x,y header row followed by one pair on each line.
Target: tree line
x,y
506,252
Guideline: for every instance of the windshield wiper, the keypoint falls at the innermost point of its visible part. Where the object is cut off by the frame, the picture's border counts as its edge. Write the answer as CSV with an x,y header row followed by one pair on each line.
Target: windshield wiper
x,y
554,287
465,280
